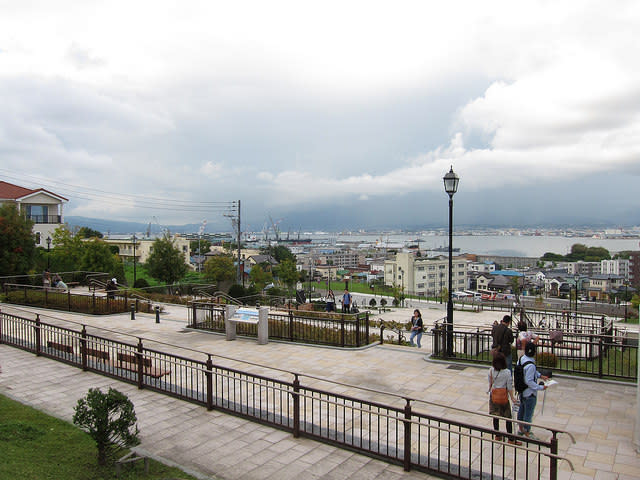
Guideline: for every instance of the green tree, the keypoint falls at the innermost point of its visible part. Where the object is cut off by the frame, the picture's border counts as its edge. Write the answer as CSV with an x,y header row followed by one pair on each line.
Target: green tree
x,y
220,268
17,242
166,262
287,272
97,257
110,420
259,277
205,245
66,255
86,232
279,252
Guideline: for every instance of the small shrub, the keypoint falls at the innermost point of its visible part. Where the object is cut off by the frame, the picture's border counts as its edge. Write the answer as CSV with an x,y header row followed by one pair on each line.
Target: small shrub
x,y
141,283
396,302
109,419
372,302
236,291
383,302
546,359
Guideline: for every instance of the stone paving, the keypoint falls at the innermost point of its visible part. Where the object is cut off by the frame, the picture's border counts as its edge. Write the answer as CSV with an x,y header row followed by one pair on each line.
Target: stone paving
x,y
211,444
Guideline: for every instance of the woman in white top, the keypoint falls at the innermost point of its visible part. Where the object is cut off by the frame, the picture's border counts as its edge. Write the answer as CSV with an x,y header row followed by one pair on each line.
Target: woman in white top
x,y
500,378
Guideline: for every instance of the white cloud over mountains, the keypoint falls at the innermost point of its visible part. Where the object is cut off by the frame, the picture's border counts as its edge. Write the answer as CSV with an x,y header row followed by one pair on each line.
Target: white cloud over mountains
x,y
286,104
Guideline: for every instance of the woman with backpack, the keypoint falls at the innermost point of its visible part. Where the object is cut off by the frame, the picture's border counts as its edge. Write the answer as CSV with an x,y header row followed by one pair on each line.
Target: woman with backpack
x,y
500,390
529,395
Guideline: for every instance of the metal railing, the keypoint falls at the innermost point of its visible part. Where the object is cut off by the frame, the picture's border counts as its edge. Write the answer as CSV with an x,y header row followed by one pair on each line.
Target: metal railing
x,y
65,300
395,433
340,330
602,355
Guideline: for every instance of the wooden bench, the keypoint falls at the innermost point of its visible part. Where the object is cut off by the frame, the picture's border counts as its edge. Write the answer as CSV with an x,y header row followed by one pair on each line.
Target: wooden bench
x,y
130,362
63,347
99,354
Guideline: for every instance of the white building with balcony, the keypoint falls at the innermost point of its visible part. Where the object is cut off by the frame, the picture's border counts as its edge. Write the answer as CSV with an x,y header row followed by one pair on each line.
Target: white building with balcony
x,y
41,206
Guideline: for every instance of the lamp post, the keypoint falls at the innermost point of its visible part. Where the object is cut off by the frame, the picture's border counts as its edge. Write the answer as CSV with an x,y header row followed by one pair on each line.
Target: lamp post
x,y
401,287
48,252
576,278
134,260
626,295
450,186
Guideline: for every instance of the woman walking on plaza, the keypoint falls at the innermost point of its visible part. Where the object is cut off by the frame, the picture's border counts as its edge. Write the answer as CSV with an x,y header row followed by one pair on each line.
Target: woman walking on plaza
x,y
416,328
500,390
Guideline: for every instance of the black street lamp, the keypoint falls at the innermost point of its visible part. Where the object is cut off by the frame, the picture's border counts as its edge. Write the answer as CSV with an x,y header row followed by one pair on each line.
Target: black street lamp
x,y
450,186
576,279
134,260
48,252
626,302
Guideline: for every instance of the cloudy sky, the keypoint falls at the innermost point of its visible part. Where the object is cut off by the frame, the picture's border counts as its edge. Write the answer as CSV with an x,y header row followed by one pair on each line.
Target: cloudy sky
x,y
325,114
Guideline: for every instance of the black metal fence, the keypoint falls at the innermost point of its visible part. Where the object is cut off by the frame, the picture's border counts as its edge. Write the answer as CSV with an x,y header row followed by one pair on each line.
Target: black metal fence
x,y
65,300
340,330
602,355
397,434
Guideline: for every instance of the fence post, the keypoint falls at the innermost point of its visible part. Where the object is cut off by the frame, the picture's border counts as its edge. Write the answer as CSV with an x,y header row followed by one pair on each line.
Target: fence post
x,y
291,325
46,296
83,348
553,461
38,338
600,354
137,305
133,311
140,364
381,332
157,314
296,406
69,299
357,329
194,315
367,327
209,375
407,436
93,302
342,329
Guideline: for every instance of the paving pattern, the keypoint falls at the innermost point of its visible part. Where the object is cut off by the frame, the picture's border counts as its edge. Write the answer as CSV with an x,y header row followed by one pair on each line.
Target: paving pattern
x,y
211,444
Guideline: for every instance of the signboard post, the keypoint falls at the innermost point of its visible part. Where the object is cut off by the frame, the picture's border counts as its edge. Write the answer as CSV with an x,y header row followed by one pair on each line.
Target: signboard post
x,y
256,316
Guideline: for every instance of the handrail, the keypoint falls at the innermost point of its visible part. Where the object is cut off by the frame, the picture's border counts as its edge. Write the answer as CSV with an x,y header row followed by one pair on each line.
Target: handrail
x,y
294,373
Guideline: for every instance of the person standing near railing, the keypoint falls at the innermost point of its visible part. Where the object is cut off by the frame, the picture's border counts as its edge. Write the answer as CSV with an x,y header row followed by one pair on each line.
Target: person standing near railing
x,y
346,301
502,340
529,397
500,391
331,301
417,327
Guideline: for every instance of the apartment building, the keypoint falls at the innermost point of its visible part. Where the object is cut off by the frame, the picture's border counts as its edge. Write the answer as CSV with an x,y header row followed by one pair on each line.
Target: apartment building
x,y
41,206
143,248
634,269
615,267
424,276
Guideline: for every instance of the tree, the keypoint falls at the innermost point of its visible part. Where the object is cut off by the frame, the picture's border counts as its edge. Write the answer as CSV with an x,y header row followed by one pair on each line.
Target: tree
x,y
110,420
86,232
166,262
97,257
287,272
220,269
17,242
259,277
66,255
280,253
205,245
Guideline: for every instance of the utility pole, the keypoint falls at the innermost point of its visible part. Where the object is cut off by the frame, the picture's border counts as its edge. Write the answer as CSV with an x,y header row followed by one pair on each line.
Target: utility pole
x,y
240,274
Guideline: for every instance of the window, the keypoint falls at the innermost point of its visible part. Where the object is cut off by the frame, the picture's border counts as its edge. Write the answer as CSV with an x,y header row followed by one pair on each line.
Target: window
x,y
421,285
420,269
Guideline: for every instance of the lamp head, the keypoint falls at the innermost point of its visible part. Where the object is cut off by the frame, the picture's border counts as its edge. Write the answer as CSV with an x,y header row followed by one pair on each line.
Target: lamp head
x,y
451,182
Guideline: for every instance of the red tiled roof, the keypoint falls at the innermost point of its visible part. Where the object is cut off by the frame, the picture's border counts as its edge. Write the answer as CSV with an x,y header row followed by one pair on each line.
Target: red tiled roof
x,y
13,192
8,190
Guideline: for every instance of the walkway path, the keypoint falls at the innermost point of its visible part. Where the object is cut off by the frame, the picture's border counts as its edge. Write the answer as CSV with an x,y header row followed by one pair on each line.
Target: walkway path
x,y
216,445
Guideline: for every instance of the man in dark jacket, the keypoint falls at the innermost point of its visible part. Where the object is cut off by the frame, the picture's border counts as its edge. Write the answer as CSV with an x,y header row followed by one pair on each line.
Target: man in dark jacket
x,y
503,338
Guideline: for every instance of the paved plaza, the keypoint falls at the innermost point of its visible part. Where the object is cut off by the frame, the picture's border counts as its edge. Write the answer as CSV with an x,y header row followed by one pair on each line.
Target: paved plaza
x,y
211,444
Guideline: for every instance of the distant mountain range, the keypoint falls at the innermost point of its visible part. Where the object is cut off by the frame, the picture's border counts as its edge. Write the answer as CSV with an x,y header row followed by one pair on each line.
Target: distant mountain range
x,y
115,227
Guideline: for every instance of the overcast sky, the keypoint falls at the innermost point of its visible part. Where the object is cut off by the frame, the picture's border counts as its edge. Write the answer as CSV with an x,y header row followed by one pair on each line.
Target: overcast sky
x,y
327,113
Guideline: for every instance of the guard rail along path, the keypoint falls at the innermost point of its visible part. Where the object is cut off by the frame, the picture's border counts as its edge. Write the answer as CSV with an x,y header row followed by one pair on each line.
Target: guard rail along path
x,y
395,431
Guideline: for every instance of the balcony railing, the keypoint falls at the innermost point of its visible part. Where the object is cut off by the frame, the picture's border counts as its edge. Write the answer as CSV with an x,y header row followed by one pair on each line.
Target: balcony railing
x,y
45,218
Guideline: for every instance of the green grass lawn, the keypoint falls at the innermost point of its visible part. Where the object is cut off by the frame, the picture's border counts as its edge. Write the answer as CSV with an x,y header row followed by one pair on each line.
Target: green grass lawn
x,y
34,445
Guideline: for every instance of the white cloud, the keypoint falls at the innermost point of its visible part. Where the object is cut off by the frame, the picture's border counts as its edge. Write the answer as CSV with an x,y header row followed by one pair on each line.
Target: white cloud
x,y
318,102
